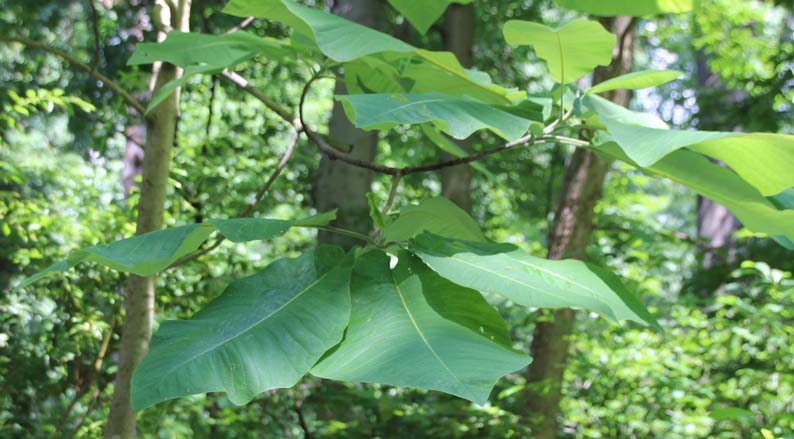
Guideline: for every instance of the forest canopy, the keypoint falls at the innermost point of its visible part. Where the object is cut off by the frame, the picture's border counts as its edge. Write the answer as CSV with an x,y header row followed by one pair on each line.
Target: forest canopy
x,y
361,218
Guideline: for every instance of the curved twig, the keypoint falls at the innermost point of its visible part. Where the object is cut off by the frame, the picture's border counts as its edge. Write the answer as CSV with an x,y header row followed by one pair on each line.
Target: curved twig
x,y
112,86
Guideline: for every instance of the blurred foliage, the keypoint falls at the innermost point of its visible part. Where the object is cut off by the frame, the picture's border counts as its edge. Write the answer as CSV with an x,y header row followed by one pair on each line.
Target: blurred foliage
x,y
721,369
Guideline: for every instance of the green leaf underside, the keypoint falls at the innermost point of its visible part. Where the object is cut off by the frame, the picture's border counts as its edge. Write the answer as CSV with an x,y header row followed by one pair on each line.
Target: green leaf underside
x,y
722,185
397,337
528,280
226,50
345,41
284,319
636,8
153,252
571,51
437,215
423,13
459,117
636,81
763,160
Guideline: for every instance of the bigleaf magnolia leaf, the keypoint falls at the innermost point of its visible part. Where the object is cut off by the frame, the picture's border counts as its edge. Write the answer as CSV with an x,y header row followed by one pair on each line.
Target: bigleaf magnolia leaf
x,y
153,252
636,8
764,160
423,13
571,51
784,201
460,117
379,59
411,327
436,215
226,50
264,332
722,185
529,280
636,80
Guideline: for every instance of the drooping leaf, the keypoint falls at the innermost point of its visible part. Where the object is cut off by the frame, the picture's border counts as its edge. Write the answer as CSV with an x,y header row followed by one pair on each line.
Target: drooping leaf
x,y
571,51
437,215
411,327
264,332
636,8
459,117
153,252
636,80
722,185
763,160
163,92
423,13
225,50
445,144
380,60
529,280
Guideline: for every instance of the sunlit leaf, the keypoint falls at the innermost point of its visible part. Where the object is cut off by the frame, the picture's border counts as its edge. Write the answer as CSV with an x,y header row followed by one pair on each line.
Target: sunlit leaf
x,y
571,51
437,215
637,8
636,80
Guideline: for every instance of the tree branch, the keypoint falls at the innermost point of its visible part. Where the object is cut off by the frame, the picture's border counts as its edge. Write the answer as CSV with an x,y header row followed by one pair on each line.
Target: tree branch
x,y
112,86
95,26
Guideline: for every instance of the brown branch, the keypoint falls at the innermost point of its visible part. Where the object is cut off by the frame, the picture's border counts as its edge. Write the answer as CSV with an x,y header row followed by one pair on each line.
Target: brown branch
x,y
307,434
243,24
334,154
95,26
112,86
244,85
257,199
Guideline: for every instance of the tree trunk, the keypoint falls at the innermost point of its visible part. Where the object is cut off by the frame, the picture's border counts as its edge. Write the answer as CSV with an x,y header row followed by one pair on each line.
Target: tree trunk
x,y
715,223
459,25
139,307
339,185
569,236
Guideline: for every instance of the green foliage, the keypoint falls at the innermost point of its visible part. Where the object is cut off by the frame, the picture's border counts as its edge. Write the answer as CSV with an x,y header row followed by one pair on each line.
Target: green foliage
x,y
636,80
458,117
411,327
637,8
264,332
528,280
153,252
423,13
762,159
436,215
571,51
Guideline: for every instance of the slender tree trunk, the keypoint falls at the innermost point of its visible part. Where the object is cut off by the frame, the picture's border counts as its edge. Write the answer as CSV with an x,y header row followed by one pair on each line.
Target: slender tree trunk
x,y
139,307
459,26
339,185
569,236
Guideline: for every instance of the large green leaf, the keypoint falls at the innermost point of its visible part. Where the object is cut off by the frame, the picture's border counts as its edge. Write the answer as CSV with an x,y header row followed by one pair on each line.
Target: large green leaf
x,y
171,86
722,185
423,13
437,215
380,59
459,117
411,327
784,201
264,332
636,80
570,51
528,280
764,160
153,252
224,50
637,8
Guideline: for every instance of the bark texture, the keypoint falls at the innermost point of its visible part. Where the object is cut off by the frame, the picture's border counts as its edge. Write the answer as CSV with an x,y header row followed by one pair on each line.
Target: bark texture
x,y
459,27
569,235
139,306
339,185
